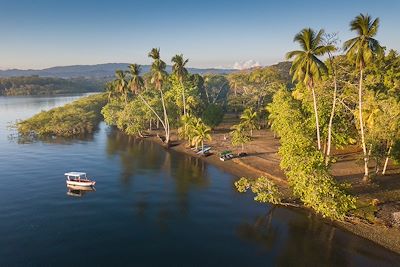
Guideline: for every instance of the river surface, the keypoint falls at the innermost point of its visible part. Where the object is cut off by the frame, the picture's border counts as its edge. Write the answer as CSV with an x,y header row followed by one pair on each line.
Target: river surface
x,y
151,207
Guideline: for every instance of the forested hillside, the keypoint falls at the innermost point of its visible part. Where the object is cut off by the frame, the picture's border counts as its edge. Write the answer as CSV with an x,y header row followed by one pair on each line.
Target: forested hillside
x,y
35,85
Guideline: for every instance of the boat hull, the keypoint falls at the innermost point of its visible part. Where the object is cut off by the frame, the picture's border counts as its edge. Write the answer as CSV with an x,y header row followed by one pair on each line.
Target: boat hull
x,y
81,183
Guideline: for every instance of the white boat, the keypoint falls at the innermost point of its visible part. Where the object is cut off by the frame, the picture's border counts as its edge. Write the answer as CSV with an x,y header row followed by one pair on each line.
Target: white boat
x,y
78,179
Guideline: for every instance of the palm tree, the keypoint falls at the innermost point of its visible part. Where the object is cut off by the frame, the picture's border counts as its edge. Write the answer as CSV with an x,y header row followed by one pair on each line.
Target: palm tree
x,y
361,49
239,135
158,75
249,119
178,68
306,66
110,89
186,131
136,82
201,132
121,84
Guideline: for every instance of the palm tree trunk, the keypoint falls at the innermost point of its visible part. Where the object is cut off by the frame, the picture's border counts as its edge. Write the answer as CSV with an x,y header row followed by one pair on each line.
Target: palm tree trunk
x,y
183,98
152,110
316,117
166,121
328,149
387,160
366,173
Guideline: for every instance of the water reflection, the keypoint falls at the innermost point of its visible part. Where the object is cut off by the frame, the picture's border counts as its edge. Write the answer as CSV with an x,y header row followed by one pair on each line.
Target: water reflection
x,y
262,232
302,239
134,154
140,156
58,140
79,191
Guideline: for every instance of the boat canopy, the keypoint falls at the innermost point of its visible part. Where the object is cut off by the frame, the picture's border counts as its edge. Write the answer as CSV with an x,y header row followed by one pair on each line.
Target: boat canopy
x,y
75,174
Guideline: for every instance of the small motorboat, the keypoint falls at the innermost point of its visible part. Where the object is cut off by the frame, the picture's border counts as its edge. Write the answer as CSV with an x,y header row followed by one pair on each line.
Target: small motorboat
x,y
204,151
198,149
78,179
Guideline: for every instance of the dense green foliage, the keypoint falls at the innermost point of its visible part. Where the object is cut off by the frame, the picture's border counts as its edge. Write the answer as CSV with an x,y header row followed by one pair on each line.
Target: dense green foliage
x,y
80,117
255,88
264,189
213,115
35,85
353,99
302,162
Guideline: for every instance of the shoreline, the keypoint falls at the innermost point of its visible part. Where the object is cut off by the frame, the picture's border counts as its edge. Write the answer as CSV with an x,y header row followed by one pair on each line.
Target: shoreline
x,y
382,235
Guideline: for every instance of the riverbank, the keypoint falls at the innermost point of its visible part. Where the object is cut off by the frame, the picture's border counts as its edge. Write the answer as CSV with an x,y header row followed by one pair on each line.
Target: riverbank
x,y
263,160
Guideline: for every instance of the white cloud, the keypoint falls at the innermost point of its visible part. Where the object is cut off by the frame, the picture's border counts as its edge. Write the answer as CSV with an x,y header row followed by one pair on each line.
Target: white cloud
x,y
242,65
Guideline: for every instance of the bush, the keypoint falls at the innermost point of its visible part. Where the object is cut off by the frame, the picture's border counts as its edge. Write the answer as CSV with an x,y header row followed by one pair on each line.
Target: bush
x,y
213,115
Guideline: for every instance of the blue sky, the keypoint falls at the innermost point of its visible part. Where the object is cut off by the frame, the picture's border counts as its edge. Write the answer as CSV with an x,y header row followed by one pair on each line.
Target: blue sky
x,y
39,34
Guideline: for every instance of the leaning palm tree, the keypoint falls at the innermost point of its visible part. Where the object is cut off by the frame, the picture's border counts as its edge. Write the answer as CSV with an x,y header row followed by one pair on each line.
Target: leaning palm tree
x,y
362,49
201,133
121,84
178,68
136,84
249,119
307,67
158,76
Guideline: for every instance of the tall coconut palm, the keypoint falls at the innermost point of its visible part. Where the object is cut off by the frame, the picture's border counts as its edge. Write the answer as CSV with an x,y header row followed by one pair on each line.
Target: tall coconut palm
x,y
362,49
307,67
136,84
178,68
158,75
249,119
121,84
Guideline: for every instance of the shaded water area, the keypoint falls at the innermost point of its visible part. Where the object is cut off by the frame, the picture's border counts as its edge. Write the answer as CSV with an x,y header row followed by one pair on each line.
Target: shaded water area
x,y
151,207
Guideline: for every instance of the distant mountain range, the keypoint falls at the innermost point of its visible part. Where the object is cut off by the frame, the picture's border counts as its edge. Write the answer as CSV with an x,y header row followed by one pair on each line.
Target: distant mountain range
x,y
99,71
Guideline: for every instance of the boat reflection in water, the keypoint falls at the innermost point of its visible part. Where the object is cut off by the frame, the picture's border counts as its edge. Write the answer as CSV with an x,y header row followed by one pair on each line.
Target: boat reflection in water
x,y
79,191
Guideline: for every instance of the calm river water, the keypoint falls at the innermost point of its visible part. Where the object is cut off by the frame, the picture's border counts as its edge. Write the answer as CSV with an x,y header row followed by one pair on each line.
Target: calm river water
x,y
151,207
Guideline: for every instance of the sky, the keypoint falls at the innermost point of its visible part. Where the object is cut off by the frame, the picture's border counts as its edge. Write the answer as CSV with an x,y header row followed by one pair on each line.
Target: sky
x,y
219,33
